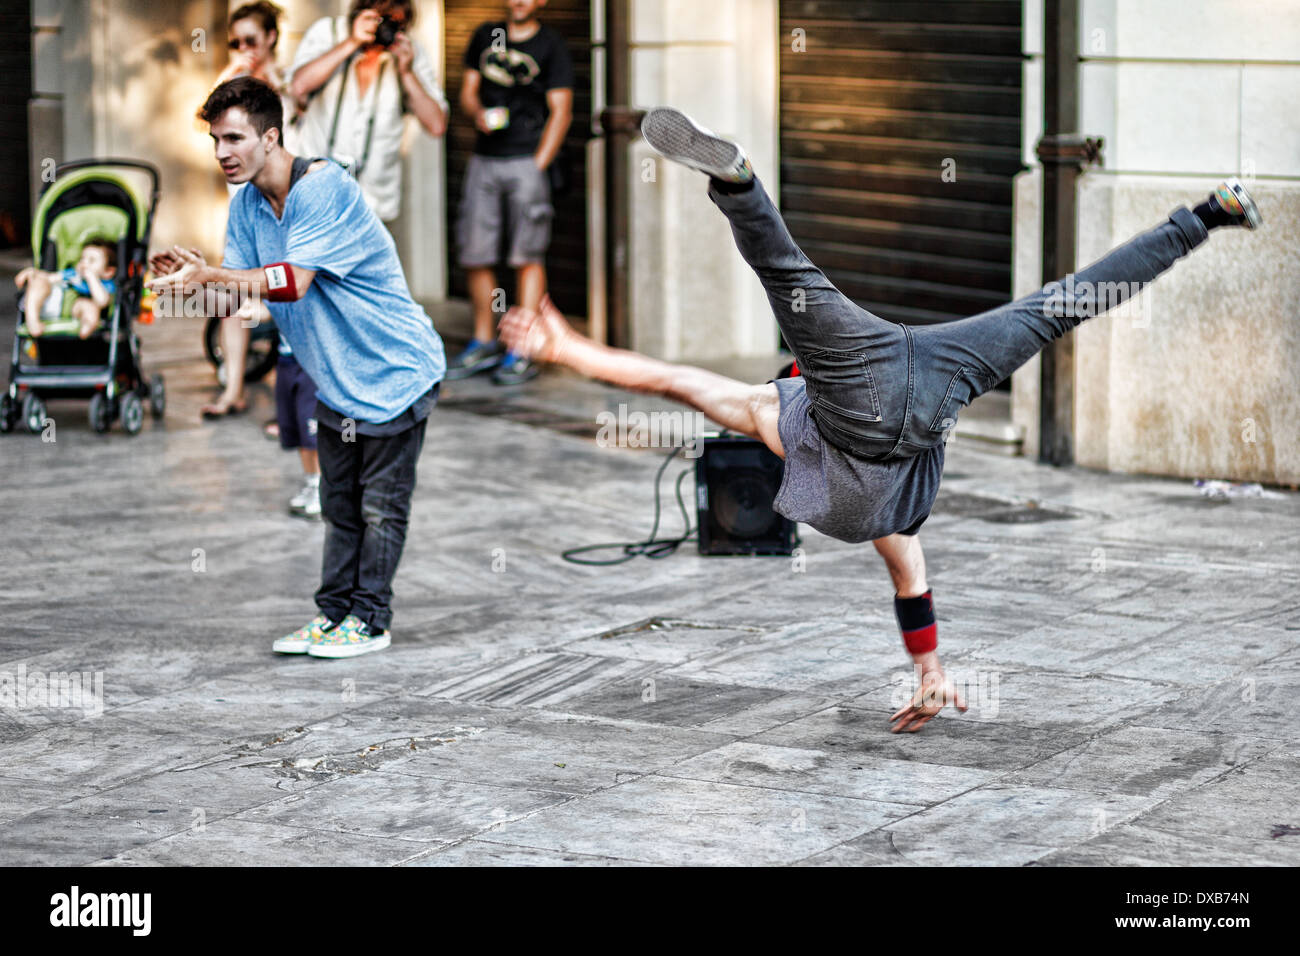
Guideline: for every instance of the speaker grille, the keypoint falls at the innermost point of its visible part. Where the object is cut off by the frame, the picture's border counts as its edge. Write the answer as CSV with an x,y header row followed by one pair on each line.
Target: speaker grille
x,y
737,480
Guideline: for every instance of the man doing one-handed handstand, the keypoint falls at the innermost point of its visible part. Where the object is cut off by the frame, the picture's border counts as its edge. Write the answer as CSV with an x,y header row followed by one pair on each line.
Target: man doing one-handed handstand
x,y
862,430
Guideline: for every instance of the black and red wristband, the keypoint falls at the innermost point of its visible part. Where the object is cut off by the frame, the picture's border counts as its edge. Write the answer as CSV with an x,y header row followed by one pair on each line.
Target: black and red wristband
x,y
916,621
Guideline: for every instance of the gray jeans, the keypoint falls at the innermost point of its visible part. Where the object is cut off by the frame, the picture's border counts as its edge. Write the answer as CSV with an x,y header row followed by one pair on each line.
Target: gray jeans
x,y
882,390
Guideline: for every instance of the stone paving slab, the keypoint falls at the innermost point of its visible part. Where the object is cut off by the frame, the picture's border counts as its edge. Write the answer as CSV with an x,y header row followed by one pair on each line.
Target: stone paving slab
x,y
561,752
230,842
1246,802
810,657
1001,825
479,852
1040,698
1143,761
1133,844
1140,648
830,774
101,753
85,831
1137,657
949,740
660,820
403,807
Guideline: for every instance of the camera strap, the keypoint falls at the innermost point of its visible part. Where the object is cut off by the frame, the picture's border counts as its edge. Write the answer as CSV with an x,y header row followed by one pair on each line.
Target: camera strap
x,y
338,110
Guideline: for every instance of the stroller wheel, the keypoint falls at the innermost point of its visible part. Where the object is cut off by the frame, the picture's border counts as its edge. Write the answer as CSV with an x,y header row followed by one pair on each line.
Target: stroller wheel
x,y
157,396
101,413
8,414
132,410
34,413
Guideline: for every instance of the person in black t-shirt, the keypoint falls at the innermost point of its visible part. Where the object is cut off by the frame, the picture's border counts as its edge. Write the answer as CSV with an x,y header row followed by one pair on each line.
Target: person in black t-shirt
x,y
518,88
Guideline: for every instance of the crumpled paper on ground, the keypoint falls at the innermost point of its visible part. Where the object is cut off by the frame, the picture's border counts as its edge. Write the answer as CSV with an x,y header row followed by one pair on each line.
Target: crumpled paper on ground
x,y
1215,488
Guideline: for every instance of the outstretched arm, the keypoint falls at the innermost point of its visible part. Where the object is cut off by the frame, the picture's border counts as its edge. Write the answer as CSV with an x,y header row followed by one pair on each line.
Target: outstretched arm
x,y
906,563
545,336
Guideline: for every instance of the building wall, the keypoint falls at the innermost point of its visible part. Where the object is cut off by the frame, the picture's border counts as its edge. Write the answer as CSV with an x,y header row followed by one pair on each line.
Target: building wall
x,y
113,78
693,297
1201,381
125,78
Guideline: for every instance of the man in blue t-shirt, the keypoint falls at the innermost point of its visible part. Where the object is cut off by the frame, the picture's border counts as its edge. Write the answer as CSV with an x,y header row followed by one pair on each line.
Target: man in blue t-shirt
x,y
305,241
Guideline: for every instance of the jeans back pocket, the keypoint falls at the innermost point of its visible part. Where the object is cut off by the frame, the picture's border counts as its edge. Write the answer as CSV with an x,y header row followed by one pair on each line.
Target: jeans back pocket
x,y
965,386
840,382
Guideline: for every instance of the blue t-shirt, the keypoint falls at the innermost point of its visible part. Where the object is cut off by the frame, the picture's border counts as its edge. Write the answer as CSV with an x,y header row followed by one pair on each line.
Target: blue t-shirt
x,y
358,333
82,287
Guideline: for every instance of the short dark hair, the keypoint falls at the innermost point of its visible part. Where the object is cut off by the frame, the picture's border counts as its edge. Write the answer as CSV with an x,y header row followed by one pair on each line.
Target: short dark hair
x,y
383,7
109,247
257,99
265,13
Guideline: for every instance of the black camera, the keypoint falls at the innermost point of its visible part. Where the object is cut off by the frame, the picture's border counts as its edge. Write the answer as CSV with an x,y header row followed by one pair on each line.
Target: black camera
x,y
387,31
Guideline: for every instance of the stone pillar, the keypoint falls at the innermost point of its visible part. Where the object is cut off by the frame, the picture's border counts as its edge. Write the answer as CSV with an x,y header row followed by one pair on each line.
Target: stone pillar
x,y
421,228
1199,379
693,297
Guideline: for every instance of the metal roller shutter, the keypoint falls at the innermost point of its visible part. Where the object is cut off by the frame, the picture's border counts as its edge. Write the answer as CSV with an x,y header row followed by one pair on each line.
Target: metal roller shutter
x,y
883,98
15,91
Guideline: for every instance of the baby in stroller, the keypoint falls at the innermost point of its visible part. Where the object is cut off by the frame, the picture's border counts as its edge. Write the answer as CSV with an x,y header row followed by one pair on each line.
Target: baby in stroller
x,y
92,279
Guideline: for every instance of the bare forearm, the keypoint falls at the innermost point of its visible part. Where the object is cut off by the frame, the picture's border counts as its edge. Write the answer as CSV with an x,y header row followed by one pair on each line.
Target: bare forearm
x,y
557,126
314,74
426,109
470,102
732,404
905,560
98,294
621,367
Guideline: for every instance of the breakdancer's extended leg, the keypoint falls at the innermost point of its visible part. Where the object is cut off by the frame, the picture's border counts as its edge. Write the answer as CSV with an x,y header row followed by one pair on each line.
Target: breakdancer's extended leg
x,y
957,361
855,363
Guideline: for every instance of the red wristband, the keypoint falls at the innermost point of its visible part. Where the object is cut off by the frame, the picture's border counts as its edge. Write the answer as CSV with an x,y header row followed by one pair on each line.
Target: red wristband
x,y
917,622
280,286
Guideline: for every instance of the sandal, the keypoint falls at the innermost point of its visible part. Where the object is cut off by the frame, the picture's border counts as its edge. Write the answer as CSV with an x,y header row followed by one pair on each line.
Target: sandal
x,y
216,411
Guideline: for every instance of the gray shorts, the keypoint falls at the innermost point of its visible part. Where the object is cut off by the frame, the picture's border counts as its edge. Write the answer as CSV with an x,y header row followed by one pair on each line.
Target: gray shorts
x,y
528,211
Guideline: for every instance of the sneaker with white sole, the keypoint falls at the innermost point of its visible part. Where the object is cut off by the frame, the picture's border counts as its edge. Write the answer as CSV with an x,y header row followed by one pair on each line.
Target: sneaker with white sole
x,y
306,503
478,356
514,370
351,638
676,136
1231,196
300,640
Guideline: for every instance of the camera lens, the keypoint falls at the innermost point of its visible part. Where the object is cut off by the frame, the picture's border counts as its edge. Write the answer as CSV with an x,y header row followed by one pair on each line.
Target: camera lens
x,y
386,32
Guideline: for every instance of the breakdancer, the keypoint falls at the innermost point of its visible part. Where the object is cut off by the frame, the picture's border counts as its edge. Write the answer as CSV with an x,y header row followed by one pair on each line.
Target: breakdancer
x,y
862,430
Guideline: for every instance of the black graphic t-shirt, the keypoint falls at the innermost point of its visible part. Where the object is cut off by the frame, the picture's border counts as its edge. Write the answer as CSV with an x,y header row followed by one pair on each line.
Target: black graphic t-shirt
x,y
516,75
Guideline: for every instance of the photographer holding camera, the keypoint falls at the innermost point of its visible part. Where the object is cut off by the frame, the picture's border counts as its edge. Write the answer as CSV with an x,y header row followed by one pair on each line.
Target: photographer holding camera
x,y
354,78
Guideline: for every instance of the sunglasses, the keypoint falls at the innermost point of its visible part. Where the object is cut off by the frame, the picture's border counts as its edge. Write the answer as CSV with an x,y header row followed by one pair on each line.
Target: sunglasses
x,y
238,43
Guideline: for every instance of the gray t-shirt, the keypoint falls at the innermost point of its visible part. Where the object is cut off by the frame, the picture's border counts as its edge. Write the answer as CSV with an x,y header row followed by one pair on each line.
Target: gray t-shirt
x,y
843,496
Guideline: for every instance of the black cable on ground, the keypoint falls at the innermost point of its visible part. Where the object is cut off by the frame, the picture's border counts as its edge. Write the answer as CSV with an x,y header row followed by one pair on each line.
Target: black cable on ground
x,y
652,547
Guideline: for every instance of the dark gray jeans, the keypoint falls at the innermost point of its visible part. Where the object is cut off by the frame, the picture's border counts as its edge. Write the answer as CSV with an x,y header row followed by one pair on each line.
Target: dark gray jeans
x,y
365,499
882,390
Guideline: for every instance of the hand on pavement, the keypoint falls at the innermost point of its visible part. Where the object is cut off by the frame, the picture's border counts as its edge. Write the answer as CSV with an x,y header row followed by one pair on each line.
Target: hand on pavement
x,y
936,691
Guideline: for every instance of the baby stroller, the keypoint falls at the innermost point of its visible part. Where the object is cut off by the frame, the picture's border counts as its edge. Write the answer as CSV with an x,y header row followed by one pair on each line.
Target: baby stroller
x,y
89,198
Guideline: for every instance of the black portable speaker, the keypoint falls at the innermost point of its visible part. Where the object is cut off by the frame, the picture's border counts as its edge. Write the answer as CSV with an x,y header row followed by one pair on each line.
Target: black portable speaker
x,y
736,480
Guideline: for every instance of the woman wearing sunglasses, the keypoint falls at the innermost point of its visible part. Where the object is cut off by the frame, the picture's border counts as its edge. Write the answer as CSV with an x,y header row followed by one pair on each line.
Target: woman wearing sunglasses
x,y
254,31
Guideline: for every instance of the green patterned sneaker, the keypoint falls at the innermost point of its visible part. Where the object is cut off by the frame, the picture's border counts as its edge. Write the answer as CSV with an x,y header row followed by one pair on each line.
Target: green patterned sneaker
x,y
300,640
351,638
1231,196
